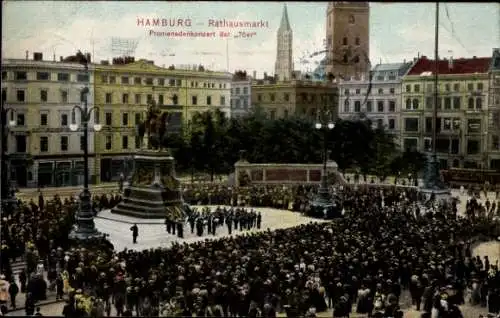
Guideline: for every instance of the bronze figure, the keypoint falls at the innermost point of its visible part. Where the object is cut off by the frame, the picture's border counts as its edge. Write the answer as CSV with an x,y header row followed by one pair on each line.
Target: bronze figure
x,y
154,127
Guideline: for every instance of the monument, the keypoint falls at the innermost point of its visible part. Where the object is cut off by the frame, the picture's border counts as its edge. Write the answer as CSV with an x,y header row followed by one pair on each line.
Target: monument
x,y
434,188
153,191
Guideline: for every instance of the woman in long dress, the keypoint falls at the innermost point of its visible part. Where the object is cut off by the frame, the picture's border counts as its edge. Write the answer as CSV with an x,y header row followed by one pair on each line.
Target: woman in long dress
x,y
65,278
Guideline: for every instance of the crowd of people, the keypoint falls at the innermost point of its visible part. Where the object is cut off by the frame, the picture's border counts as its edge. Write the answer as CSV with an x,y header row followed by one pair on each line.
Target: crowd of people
x,y
209,220
362,262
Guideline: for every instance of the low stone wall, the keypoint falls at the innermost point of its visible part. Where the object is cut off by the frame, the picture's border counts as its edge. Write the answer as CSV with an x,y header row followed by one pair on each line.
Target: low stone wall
x,y
274,173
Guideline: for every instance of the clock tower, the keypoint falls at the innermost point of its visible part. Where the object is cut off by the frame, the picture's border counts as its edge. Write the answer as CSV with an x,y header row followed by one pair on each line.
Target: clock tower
x,y
348,39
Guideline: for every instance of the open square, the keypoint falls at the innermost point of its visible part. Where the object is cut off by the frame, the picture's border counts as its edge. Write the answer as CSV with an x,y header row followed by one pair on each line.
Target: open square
x,y
153,234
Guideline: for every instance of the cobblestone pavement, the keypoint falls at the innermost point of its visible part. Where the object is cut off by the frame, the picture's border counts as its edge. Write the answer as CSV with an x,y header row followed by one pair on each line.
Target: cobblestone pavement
x,y
154,234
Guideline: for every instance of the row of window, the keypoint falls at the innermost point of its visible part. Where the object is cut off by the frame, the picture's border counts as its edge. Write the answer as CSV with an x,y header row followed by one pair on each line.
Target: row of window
x,y
447,87
46,76
64,119
44,96
444,145
345,41
369,106
380,91
443,124
240,102
303,96
161,99
108,144
64,143
237,90
150,81
446,103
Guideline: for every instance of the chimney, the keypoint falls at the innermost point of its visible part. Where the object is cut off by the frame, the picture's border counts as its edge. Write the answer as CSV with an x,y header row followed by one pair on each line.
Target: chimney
x,y
88,57
450,62
54,58
60,58
474,57
255,74
37,56
27,55
404,61
265,75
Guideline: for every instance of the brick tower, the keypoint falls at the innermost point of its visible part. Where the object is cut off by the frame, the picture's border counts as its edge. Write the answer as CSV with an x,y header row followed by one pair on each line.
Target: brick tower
x,y
348,39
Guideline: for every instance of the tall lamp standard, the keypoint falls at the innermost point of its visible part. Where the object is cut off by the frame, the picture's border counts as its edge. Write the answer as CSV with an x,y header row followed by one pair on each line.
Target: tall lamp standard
x,y
8,197
85,227
323,205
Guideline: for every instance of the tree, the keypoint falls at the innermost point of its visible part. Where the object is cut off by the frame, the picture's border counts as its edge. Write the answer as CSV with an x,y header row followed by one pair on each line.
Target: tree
x,y
409,162
212,127
214,141
385,152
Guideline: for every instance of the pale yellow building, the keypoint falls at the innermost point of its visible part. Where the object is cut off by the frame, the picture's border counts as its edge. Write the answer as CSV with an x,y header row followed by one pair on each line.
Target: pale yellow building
x,y
462,131
42,93
281,99
122,92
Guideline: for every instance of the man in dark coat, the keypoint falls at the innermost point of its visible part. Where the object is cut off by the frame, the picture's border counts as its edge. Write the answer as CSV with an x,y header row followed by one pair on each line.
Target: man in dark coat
x,y
168,225
135,233
180,230
41,201
13,291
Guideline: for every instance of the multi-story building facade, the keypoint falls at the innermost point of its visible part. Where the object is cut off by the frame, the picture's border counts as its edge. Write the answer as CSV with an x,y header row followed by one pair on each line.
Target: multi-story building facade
x,y
123,92
348,39
461,125
493,150
379,100
42,95
281,99
241,94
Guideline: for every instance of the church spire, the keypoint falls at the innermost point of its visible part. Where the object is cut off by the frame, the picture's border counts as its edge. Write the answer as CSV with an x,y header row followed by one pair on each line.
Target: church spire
x,y
285,24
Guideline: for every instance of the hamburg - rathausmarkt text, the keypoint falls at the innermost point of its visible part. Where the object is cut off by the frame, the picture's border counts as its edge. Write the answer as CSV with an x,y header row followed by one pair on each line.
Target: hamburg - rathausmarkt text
x,y
223,23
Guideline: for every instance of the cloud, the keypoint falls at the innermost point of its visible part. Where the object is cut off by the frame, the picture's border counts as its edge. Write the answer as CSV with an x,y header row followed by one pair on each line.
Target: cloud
x,y
63,36
61,28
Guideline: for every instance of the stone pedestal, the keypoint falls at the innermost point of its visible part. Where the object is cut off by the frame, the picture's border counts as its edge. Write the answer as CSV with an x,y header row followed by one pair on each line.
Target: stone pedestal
x,y
433,187
153,191
438,195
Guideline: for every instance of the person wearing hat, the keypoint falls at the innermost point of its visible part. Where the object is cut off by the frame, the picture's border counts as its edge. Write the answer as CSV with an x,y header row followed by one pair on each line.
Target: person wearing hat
x,y
135,233
13,291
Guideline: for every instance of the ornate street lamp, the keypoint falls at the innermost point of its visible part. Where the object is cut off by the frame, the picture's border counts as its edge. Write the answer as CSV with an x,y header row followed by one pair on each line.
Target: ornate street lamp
x,y
323,204
85,228
8,197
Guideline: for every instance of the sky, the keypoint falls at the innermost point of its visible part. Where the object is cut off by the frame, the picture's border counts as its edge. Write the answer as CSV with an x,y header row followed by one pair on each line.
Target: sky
x,y
398,31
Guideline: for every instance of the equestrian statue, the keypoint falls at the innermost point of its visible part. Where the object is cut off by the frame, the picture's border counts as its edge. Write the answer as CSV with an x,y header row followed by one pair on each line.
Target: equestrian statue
x,y
154,127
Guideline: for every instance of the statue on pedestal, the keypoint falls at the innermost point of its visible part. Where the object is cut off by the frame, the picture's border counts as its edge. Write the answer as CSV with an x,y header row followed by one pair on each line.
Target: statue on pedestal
x,y
153,130
154,192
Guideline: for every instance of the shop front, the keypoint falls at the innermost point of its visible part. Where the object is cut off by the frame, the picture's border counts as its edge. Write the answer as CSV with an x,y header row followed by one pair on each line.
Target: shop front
x,y
67,173
111,168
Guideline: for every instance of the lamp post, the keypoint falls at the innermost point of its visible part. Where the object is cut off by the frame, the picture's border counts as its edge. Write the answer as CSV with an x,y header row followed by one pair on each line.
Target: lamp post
x,y
8,197
85,227
323,205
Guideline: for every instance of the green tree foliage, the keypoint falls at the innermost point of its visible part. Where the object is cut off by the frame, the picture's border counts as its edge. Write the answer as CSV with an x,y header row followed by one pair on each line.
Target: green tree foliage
x,y
211,143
